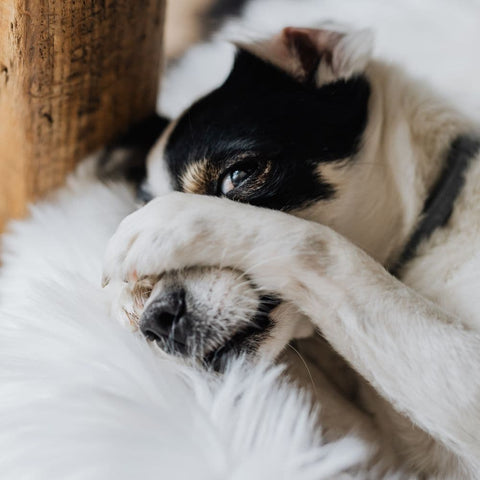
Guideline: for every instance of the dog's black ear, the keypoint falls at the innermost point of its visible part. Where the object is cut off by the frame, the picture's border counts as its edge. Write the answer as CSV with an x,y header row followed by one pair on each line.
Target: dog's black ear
x,y
319,56
126,156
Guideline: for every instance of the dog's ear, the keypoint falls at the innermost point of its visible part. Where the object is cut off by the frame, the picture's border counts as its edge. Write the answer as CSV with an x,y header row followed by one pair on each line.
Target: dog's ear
x,y
320,56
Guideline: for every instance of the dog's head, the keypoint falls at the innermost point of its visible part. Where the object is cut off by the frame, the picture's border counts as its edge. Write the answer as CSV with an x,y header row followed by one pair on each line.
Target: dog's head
x,y
288,120
293,109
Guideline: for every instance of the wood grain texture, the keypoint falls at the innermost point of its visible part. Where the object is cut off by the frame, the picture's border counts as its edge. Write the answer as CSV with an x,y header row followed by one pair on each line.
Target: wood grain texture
x,y
73,75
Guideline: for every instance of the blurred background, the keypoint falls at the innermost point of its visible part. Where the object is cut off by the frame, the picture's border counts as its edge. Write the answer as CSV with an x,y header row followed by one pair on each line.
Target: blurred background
x,y
187,22
435,40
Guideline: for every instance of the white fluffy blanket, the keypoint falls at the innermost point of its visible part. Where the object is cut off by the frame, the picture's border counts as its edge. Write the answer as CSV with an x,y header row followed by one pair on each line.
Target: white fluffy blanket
x,y
80,398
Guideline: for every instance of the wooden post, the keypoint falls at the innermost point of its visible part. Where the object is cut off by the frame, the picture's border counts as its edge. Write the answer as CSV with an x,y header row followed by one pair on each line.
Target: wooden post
x,y
73,75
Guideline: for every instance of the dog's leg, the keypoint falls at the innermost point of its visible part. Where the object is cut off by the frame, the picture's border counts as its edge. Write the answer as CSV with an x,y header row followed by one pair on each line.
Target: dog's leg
x,y
423,360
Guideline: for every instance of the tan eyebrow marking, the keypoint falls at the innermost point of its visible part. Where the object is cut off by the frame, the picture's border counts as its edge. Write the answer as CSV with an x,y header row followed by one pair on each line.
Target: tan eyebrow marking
x,y
198,176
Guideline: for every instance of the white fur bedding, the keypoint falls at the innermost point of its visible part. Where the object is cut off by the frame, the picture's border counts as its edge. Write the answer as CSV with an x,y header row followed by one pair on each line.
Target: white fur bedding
x,y
81,398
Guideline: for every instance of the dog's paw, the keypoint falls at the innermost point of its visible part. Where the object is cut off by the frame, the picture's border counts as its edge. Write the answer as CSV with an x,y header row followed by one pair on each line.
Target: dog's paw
x,y
182,230
169,233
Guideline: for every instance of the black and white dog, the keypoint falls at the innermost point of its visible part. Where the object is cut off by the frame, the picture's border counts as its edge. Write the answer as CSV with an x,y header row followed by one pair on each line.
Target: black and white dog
x,y
321,189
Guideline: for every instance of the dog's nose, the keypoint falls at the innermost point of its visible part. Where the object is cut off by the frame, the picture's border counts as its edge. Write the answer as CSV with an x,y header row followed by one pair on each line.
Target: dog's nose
x,y
164,319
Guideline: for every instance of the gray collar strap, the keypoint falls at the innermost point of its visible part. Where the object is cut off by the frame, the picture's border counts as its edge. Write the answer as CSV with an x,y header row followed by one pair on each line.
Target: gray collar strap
x,y
439,204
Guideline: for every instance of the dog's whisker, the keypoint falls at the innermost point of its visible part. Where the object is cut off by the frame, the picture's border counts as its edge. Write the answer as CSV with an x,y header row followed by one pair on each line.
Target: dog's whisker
x,y
307,368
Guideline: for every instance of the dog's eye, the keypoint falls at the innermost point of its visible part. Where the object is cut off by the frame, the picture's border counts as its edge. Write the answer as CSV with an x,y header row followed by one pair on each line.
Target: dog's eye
x,y
234,179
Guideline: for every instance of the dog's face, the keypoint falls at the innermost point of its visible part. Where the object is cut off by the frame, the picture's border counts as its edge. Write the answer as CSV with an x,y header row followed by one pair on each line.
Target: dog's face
x,y
263,137
293,111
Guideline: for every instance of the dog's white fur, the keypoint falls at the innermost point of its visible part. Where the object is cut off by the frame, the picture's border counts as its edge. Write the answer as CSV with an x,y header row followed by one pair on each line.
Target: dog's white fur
x,y
417,343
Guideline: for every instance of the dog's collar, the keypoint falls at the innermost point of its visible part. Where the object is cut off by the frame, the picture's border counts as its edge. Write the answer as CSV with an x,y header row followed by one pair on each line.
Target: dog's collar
x,y
439,204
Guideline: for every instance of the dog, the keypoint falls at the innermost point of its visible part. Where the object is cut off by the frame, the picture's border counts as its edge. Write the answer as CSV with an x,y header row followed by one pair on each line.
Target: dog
x,y
319,189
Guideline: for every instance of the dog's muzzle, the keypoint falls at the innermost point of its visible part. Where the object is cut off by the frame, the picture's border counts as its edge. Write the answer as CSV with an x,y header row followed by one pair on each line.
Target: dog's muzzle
x,y
177,324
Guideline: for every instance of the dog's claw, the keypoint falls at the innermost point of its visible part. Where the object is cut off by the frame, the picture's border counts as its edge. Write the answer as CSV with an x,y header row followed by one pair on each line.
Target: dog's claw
x,y
105,281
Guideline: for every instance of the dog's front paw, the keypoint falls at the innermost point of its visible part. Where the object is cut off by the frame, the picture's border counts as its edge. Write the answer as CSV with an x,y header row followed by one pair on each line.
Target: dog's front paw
x,y
182,230
151,240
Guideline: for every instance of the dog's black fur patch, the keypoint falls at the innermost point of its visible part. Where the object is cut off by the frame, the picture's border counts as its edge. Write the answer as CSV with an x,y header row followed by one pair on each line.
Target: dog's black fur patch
x,y
266,118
